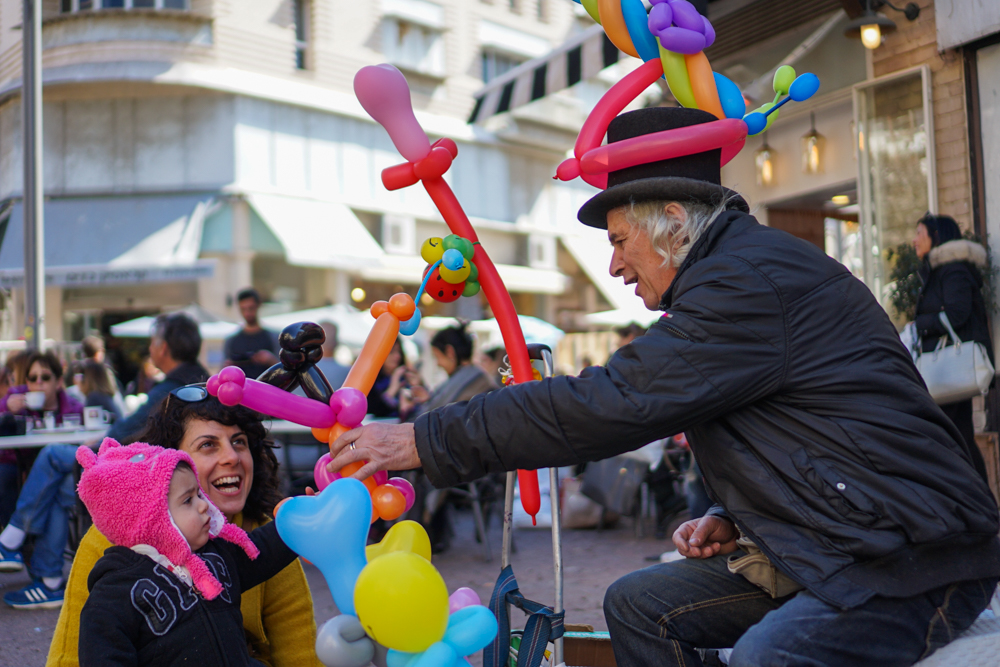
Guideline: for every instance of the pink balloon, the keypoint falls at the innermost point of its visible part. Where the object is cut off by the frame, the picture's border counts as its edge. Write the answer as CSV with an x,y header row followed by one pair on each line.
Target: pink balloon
x,y
462,598
213,385
230,393
385,95
350,406
381,477
233,374
406,488
323,476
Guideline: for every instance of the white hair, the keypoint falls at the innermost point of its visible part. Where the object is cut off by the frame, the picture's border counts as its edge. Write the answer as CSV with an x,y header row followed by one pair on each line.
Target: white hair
x,y
672,237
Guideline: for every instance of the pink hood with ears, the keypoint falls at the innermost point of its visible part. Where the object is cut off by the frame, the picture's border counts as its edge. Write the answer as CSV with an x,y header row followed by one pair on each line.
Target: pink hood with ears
x,y
125,490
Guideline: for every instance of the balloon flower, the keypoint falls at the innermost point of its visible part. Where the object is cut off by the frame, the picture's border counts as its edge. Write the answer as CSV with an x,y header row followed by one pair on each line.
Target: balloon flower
x,y
450,272
389,591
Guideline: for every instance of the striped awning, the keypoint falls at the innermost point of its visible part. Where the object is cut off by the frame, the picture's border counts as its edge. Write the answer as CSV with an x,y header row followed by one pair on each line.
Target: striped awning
x,y
580,58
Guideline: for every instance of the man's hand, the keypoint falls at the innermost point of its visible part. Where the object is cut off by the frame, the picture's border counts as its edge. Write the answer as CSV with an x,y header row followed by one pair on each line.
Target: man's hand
x,y
706,537
384,446
16,403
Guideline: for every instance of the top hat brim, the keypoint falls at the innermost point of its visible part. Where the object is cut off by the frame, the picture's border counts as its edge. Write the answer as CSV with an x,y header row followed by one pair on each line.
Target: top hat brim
x,y
668,188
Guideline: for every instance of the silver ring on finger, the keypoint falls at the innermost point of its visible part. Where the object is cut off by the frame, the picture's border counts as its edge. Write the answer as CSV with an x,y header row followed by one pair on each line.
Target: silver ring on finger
x,y
352,446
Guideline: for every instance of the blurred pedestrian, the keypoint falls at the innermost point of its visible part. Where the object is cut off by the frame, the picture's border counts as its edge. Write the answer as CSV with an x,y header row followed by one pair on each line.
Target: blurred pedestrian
x,y
253,348
951,272
95,385
334,371
94,350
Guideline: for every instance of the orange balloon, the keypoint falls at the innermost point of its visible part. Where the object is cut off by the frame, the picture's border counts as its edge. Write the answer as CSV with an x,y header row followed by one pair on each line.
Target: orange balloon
x,y
321,434
336,431
352,468
610,12
377,347
703,84
401,305
379,308
389,502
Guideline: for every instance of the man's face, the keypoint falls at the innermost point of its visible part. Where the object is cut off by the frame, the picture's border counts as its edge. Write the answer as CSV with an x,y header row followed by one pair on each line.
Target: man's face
x,y
158,351
636,261
248,309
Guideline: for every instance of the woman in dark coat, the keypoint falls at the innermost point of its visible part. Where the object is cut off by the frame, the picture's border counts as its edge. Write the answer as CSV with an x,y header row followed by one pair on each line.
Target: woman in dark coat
x,y
952,284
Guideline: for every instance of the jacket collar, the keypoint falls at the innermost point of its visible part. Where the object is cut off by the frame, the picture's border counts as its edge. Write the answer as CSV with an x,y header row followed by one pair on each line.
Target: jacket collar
x,y
958,250
728,224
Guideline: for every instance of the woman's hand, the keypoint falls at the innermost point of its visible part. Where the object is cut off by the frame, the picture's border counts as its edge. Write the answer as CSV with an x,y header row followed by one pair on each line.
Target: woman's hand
x,y
706,537
384,446
16,403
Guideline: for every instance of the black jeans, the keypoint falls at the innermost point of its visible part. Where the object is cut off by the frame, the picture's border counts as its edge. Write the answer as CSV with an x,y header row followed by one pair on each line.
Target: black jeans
x,y
660,615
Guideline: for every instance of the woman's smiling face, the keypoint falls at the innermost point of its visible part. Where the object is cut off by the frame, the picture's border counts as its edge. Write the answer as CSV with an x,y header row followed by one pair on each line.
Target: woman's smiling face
x,y
222,458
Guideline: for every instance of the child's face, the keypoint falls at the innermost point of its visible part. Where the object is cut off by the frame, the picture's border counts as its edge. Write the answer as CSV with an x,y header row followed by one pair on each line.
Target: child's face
x,y
187,507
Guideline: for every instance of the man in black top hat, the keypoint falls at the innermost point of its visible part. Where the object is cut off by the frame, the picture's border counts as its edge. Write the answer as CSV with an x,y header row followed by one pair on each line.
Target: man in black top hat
x,y
851,525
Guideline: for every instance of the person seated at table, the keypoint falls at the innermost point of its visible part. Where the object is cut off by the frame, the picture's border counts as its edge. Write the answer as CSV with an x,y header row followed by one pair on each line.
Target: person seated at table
x,y
47,493
95,385
13,373
174,345
237,469
93,349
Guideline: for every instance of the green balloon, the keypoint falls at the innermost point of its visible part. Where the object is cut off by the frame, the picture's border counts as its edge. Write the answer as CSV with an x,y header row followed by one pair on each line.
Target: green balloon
x,y
770,119
783,78
471,288
464,246
474,274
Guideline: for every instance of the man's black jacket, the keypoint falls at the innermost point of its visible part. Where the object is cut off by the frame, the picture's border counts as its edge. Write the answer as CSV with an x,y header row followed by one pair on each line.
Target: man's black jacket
x,y
138,613
810,422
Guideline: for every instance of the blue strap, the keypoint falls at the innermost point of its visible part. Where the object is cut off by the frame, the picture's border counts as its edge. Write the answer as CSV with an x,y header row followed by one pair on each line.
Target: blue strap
x,y
543,625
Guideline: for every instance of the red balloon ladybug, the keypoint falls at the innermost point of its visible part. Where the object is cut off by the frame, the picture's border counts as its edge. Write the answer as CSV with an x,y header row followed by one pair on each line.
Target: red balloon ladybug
x,y
440,289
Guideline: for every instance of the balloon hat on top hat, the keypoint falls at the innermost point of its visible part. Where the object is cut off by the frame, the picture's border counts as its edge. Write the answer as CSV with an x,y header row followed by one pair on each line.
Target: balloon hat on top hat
x,y
671,40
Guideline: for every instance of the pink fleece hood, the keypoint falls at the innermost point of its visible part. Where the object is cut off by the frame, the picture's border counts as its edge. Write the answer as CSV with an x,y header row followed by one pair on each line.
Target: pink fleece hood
x,y
125,490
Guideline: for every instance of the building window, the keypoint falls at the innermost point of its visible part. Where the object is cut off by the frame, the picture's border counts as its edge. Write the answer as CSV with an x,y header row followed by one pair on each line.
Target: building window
x,y
414,47
301,34
496,64
70,6
541,10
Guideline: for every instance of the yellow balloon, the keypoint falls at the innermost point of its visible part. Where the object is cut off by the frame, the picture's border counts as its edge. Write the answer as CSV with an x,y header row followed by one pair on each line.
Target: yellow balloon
x,y
402,602
432,250
455,277
408,536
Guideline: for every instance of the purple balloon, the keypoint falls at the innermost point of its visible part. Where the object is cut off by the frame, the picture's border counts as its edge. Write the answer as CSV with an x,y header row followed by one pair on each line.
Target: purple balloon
x,y
709,32
680,40
323,476
381,477
686,16
462,598
406,489
660,17
350,405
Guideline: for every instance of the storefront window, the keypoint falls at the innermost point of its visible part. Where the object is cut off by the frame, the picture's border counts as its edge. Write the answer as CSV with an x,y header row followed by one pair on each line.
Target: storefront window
x,y
896,178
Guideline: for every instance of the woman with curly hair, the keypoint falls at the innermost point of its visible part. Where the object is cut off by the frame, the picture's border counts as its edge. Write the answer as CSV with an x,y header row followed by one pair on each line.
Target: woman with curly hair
x,y
238,470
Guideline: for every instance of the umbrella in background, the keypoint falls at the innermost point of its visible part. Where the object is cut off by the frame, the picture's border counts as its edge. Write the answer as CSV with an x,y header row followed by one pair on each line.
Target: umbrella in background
x,y
353,325
488,331
210,326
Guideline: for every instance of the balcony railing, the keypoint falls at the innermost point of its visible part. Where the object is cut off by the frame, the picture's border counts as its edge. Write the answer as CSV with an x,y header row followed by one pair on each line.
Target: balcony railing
x,y
71,6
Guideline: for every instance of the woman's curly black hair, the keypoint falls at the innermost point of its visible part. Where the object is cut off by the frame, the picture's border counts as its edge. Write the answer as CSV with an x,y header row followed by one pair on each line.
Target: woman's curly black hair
x,y
166,425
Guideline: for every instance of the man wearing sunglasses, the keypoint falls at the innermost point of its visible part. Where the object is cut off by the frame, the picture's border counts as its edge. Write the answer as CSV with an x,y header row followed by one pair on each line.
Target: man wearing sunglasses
x,y
47,493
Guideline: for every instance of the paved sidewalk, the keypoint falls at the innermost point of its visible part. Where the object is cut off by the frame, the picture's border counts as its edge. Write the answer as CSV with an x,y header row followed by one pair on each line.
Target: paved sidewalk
x,y
592,561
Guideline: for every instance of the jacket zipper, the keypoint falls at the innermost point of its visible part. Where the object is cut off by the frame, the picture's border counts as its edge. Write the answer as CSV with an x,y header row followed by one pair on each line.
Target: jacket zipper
x,y
677,332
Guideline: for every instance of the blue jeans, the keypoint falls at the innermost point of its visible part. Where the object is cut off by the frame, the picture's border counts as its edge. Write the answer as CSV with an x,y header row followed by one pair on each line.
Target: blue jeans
x,y
45,498
660,615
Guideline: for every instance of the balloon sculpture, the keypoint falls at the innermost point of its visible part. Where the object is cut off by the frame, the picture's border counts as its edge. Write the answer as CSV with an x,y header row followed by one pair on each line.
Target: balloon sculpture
x,y
671,40
388,592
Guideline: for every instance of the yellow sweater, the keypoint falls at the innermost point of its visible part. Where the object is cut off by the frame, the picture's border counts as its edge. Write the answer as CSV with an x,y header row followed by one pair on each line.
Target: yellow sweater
x,y
277,615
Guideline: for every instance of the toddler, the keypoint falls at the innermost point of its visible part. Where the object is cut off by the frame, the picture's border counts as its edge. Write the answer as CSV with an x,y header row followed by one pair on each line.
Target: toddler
x,y
168,592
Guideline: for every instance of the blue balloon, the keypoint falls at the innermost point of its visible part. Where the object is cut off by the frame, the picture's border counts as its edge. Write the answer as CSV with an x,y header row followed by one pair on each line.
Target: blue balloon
x,y
410,326
804,87
733,104
330,530
453,259
756,122
637,22
470,629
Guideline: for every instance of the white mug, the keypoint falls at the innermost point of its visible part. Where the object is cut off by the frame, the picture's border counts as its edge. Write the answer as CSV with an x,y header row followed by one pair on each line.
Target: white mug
x,y
35,400
94,417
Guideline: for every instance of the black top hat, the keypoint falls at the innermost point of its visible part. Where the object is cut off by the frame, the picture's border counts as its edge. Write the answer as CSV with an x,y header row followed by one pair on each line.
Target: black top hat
x,y
695,178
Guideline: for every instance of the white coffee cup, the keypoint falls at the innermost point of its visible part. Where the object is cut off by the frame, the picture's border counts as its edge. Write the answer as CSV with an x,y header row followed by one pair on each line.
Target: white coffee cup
x,y
94,417
35,400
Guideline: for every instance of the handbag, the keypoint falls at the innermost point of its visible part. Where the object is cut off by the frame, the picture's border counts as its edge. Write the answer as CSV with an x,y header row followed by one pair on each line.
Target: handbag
x,y
955,372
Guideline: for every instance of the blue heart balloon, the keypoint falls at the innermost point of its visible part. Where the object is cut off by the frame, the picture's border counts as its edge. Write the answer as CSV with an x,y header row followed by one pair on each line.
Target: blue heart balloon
x,y
470,629
804,87
330,530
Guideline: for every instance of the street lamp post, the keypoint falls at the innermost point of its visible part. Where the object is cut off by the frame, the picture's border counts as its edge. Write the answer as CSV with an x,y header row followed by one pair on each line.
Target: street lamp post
x,y
33,218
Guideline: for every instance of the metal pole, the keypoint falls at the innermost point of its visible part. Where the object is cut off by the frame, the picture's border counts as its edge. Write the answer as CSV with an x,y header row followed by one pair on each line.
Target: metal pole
x,y
31,131
557,555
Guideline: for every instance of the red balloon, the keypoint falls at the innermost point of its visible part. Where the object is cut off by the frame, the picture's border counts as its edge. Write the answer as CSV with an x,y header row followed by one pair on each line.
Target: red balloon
x,y
440,289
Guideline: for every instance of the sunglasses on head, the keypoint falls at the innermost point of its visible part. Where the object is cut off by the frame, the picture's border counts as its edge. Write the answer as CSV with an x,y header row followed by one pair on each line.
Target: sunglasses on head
x,y
44,377
192,393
